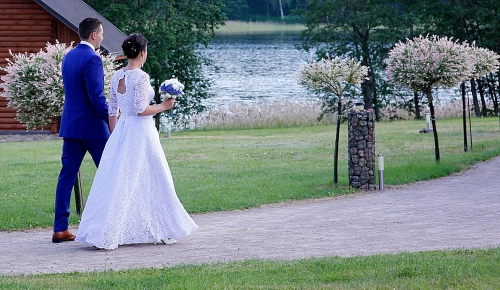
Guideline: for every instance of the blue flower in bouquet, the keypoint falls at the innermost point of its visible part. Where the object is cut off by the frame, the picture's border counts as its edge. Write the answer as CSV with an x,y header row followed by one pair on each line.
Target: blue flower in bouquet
x,y
171,88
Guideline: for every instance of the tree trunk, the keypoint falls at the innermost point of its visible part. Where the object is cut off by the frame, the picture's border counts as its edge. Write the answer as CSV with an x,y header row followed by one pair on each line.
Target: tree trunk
x,y
491,85
484,109
336,154
474,98
417,105
428,93
470,127
281,10
494,96
464,117
375,105
267,5
367,94
367,85
157,99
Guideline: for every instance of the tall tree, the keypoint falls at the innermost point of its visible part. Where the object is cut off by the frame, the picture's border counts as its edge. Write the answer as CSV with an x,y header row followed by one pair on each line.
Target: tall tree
x,y
359,29
174,30
236,9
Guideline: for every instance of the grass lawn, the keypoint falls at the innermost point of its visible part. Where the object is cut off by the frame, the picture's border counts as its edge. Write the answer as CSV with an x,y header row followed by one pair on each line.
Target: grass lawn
x,y
237,169
460,269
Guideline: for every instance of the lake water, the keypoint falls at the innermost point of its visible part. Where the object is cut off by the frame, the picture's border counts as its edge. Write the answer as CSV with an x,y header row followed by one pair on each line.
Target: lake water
x,y
255,68
261,68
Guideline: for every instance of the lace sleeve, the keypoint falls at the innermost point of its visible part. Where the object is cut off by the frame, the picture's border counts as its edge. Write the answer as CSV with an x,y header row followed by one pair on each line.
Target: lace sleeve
x,y
113,102
141,94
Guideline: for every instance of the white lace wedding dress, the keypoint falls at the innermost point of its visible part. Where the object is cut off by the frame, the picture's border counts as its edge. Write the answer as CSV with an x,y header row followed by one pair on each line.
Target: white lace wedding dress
x,y
132,199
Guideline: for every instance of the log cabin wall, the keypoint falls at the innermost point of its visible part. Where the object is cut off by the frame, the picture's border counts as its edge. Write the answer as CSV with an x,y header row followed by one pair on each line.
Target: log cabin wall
x,y
26,27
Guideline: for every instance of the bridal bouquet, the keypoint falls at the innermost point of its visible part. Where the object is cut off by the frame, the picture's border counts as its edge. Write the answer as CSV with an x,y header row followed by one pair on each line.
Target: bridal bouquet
x,y
171,88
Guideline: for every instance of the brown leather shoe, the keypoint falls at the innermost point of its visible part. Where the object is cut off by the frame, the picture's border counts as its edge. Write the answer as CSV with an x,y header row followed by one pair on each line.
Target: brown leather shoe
x,y
65,236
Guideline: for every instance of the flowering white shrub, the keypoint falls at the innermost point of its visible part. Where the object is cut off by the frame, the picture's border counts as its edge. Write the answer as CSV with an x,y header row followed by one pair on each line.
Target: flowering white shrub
x,y
485,61
110,66
333,75
33,84
426,63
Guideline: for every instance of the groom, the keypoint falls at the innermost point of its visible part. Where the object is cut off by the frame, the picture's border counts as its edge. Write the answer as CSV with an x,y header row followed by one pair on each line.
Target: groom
x,y
84,119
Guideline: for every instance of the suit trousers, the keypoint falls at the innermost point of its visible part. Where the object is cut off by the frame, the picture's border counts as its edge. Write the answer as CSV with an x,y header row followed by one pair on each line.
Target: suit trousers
x,y
73,152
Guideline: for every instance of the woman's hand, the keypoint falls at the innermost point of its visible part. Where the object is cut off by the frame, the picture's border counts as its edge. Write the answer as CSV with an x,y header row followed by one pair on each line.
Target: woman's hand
x,y
168,103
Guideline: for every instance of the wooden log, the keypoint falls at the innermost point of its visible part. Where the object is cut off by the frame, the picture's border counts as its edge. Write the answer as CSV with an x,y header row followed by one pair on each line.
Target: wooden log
x,y
7,115
24,38
23,42
5,110
22,22
18,1
20,6
12,126
28,11
9,121
20,34
23,28
32,17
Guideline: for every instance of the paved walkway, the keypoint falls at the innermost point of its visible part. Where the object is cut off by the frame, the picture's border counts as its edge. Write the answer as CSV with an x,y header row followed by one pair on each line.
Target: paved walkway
x,y
459,211
27,136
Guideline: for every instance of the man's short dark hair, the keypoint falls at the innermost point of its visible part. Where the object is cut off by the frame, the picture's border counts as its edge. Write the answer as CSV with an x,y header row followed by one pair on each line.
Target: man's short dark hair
x,y
87,26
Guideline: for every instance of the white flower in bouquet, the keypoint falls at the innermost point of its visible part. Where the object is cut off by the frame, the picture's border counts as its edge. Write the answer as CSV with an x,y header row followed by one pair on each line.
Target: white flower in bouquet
x,y
171,88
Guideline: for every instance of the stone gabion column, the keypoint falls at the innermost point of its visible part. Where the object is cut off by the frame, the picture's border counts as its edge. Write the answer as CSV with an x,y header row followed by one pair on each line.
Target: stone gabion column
x,y
361,149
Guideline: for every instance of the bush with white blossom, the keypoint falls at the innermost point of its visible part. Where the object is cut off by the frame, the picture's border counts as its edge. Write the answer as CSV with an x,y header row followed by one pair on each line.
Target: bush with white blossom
x,y
33,84
333,75
431,62
485,61
427,63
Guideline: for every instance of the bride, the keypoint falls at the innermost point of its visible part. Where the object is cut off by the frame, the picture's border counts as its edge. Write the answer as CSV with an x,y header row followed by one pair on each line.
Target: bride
x,y
133,199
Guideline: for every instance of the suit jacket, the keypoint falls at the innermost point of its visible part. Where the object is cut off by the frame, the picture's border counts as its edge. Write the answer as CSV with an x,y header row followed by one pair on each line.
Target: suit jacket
x,y
85,112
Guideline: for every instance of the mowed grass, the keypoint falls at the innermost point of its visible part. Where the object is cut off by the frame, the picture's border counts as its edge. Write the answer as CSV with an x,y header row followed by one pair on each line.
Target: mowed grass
x,y
218,170
458,269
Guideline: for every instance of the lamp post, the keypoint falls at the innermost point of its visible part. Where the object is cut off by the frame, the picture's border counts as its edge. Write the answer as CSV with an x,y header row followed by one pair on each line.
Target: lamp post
x,y
381,172
428,121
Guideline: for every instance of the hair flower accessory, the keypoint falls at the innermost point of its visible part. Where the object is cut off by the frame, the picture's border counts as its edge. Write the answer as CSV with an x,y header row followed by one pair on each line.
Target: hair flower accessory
x,y
171,88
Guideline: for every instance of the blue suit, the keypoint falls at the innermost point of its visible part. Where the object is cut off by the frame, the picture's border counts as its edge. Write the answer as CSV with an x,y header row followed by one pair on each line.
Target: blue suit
x,y
84,126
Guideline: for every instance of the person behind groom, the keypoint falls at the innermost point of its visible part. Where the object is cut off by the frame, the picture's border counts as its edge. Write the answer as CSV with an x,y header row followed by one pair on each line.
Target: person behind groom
x,y
84,121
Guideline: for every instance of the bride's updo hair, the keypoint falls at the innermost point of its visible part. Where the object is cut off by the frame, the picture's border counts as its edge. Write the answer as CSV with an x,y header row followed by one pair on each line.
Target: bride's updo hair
x,y
134,44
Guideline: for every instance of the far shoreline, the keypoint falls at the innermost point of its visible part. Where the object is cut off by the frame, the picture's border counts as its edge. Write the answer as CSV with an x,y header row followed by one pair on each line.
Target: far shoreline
x,y
232,27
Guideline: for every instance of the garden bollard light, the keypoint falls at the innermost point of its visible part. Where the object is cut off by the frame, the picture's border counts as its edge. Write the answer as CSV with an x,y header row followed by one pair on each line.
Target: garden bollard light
x,y
428,121
381,172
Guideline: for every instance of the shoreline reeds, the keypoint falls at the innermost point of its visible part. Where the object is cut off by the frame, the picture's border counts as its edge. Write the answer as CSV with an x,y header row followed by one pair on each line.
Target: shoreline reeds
x,y
242,28
286,113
